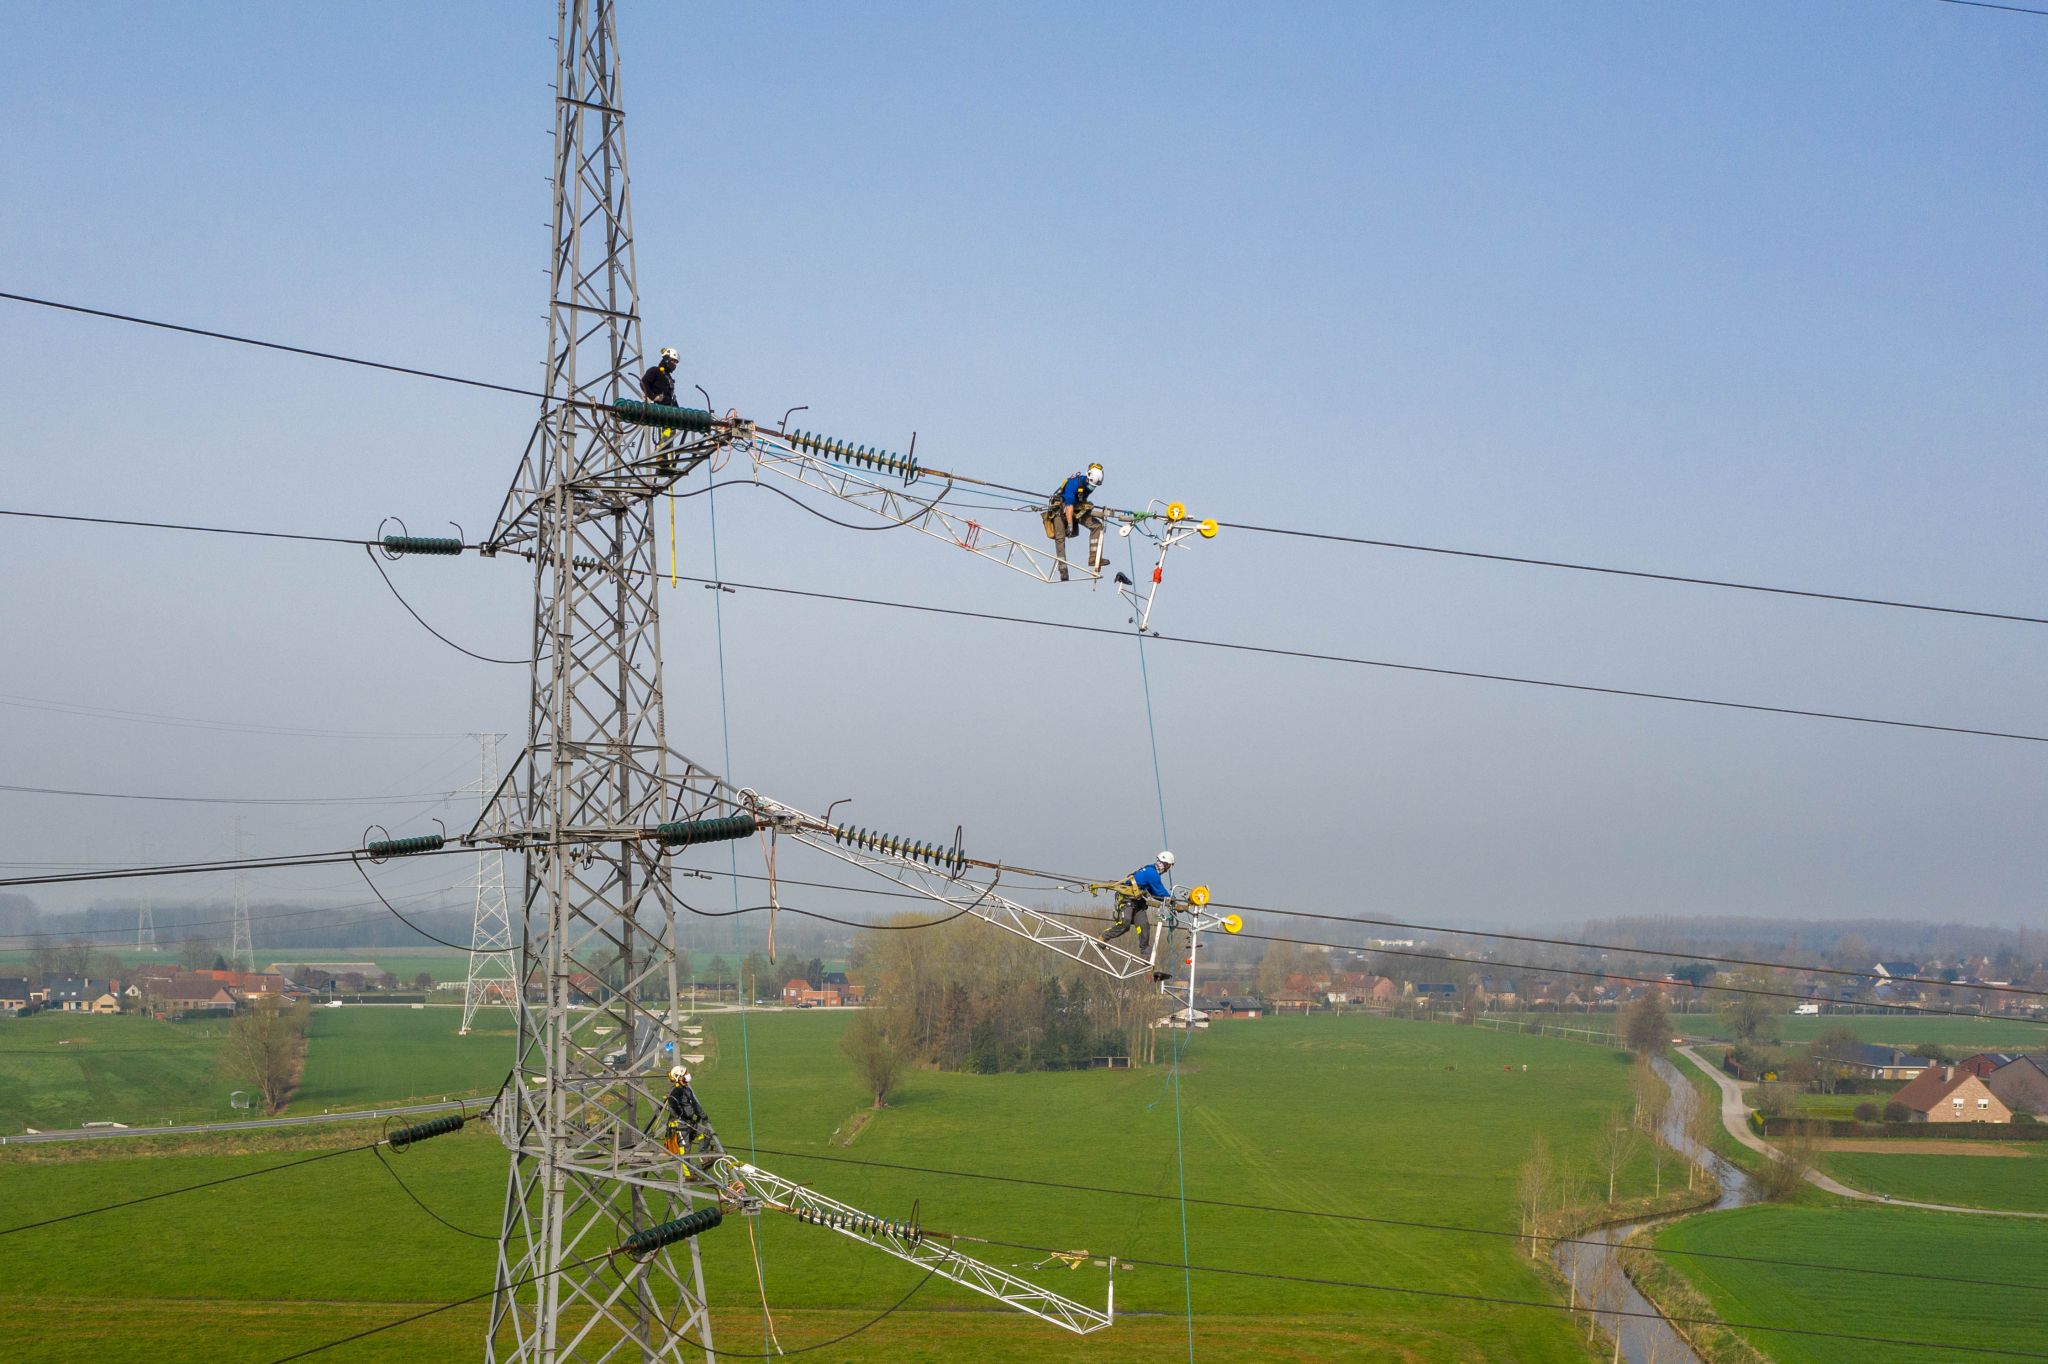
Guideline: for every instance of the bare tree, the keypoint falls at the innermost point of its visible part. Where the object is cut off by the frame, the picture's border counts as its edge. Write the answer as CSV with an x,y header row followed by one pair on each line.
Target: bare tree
x,y
265,1048
1534,1183
196,953
877,1057
1617,1144
1782,1179
1652,1098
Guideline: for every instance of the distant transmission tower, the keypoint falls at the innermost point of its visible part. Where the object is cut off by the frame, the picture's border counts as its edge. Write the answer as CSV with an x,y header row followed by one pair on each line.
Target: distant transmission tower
x,y
244,950
145,914
597,911
493,974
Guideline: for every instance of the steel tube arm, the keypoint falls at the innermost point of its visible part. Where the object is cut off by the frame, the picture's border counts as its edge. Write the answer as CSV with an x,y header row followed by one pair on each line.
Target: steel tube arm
x,y
906,1242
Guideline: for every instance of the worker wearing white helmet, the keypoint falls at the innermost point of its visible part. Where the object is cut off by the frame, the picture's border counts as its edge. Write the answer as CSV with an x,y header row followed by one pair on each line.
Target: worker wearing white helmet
x,y
658,385
1069,510
1134,896
687,1121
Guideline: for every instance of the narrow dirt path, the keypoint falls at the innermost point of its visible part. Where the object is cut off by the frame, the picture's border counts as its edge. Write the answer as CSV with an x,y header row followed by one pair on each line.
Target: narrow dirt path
x,y
1735,1118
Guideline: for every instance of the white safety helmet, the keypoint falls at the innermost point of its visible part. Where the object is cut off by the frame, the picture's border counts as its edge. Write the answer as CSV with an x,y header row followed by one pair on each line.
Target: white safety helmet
x,y
1165,859
1095,475
669,353
679,1075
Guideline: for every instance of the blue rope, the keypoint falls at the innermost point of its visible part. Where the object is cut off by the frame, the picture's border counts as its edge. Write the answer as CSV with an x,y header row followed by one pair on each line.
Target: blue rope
x,y
733,854
1187,1279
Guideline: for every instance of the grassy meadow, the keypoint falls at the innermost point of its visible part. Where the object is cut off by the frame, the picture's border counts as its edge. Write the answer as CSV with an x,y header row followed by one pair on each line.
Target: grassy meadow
x,y
2004,1250
62,1070
369,1054
1359,1114
1970,1181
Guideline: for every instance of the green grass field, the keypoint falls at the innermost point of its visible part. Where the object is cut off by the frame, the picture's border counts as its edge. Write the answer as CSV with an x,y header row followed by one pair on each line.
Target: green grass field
x,y
378,1053
1894,1030
1971,1181
1392,1119
60,1070
2006,1250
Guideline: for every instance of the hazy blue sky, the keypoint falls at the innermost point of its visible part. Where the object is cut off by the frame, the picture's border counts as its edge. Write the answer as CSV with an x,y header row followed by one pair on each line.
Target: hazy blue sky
x,y
1742,290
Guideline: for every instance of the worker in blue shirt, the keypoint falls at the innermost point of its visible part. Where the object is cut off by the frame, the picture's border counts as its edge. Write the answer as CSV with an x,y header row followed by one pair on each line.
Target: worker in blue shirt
x,y
1069,510
1134,896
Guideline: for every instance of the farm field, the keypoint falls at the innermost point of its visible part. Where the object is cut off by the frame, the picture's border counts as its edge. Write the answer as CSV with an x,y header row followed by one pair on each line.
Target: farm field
x,y
369,1054
2006,1250
1398,1120
1986,1181
61,1070
1892,1030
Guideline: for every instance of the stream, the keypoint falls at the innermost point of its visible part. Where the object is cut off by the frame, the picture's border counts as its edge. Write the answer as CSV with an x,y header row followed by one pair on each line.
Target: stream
x,y
1647,1341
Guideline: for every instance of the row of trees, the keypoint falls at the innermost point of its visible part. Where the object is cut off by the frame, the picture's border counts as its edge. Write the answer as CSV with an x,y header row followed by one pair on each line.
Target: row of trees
x,y
959,997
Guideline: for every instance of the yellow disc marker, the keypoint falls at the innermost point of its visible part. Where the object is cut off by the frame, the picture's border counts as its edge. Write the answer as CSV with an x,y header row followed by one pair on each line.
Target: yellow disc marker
x,y
1176,512
1208,529
1231,923
1199,895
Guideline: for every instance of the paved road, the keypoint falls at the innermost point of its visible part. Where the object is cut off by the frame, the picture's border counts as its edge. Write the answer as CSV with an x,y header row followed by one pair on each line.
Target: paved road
x,y
1735,1117
304,1120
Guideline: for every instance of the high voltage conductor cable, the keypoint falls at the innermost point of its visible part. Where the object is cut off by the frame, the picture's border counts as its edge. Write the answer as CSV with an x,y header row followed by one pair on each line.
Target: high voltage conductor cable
x,y
1591,973
1609,570
1595,973
144,717
1315,656
1472,675
1283,1210
630,410
417,797
1615,1312
1506,936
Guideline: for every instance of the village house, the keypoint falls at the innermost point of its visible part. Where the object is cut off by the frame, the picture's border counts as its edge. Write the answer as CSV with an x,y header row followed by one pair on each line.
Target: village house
x,y
1431,991
14,995
188,994
1984,1062
81,995
799,994
1230,1007
1871,1062
1949,1094
2021,1085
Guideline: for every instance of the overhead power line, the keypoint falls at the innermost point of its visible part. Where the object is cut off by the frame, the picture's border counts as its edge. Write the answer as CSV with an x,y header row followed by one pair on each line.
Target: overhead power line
x,y
1403,546
1409,1224
1608,570
1503,935
1391,665
415,798
1315,656
1988,4
144,717
1808,1332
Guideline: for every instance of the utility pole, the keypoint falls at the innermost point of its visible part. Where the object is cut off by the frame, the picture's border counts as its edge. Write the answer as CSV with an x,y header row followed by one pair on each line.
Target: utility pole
x,y
493,975
598,945
243,950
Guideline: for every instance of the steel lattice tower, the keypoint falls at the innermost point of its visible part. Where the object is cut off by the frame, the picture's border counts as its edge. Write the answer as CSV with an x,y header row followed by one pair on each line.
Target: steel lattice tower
x,y
145,913
244,950
598,950
493,975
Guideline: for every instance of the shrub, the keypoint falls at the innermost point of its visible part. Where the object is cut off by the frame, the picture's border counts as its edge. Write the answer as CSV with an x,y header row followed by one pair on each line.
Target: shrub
x,y
1868,1112
1897,1112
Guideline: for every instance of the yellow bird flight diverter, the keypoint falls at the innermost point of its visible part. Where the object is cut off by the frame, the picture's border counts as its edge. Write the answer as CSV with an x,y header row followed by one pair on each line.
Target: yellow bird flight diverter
x,y
1199,896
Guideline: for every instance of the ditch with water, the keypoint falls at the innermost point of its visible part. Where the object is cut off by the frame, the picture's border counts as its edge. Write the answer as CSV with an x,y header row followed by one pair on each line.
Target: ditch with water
x,y
1648,1339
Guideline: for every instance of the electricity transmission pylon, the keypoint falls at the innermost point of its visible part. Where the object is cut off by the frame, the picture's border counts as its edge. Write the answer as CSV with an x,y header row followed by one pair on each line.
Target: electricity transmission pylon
x,y
493,975
599,942
244,950
145,914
